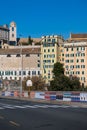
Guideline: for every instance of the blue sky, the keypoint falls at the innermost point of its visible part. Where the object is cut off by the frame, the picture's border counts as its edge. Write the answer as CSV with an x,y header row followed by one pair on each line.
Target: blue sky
x,y
45,17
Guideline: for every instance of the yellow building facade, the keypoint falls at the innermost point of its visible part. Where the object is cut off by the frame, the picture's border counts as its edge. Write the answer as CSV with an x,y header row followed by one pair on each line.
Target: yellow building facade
x,y
50,54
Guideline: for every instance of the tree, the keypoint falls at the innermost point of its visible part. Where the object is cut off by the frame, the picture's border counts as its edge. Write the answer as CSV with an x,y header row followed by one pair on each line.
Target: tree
x,y
30,40
38,83
58,69
61,82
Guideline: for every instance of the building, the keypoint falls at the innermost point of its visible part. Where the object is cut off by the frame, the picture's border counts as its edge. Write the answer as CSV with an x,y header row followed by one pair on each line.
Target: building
x,y
13,34
8,35
75,57
4,35
50,54
15,60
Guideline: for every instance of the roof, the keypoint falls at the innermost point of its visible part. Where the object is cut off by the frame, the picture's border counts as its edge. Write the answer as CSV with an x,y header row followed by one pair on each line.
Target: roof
x,y
18,51
79,35
25,40
4,28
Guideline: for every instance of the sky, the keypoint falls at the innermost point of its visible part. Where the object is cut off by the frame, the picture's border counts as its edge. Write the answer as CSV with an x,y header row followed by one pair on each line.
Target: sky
x,y
36,18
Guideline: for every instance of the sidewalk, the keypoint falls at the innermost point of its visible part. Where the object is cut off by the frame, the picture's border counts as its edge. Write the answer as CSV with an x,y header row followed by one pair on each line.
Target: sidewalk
x,y
80,104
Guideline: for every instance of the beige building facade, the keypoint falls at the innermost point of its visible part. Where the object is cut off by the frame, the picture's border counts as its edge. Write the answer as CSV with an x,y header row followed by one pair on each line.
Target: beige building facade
x,y
17,60
75,58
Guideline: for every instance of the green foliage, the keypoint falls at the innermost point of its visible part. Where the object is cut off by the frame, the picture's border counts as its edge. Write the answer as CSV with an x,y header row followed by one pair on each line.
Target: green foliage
x,y
62,82
38,83
58,69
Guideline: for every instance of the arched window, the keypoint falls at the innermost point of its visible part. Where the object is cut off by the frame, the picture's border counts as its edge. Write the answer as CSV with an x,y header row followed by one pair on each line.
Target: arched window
x,y
12,28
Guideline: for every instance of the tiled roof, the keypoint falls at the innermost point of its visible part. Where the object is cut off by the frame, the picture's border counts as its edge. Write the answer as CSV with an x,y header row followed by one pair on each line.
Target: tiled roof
x,y
24,40
18,51
78,35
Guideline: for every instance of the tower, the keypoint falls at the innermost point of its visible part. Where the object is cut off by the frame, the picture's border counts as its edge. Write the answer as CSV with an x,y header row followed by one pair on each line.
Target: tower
x,y
12,34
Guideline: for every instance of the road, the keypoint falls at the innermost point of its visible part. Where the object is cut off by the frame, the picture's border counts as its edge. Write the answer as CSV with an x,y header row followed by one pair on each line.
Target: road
x,y
26,115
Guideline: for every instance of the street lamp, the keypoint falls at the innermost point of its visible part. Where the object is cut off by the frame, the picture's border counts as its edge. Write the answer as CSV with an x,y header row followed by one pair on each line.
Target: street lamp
x,y
21,61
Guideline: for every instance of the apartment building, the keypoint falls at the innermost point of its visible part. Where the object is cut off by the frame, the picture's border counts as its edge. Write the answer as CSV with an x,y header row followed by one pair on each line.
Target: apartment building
x,y
50,54
17,60
4,34
75,57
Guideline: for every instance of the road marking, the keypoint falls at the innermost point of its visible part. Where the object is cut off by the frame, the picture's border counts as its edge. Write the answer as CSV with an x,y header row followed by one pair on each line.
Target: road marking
x,y
20,106
42,106
14,123
1,108
9,107
26,106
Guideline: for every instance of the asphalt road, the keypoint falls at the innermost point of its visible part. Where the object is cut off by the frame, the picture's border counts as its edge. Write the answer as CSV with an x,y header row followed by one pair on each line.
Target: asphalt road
x,y
26,115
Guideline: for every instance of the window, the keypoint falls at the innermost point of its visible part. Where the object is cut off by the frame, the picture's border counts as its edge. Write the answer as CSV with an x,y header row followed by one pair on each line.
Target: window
x,y
82,72
44,50
77,72
19,72
77,60
48,76
82,54
11,72
82,66
15,73
53,40
18,55
38,72
67,61
77,48
29,72
67,55
49,40
71,49
44,56
24,72
82,48
7,72
77,66
52,50
52,61
12,28
71,66
38,55
67,49
62,59
53,56
71,61
48,50
83,78
82,60
33,72
38,65
12,35
27,55
8,55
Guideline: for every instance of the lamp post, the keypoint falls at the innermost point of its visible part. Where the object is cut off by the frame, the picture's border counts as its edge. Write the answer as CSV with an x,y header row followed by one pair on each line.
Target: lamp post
x,y
21,61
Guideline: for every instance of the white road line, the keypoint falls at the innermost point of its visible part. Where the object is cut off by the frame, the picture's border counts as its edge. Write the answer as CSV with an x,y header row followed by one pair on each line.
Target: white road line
x,y
28,106
1,108
9,107
75,106
20,106
42,106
